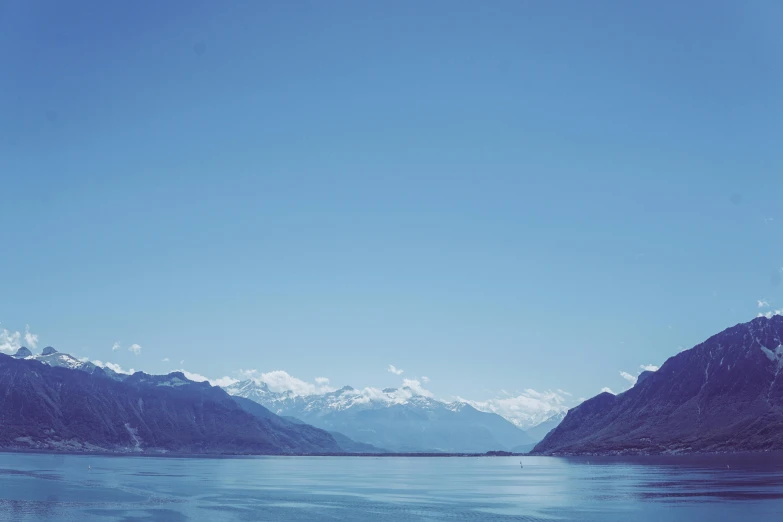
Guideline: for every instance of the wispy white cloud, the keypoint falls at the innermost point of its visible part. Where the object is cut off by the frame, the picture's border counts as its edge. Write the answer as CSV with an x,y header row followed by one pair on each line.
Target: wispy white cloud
x,y
11,341
30,339
394,370
114,367
135,348
632,379
118,369
607,390
196,377
221,381
416,387
425,379
410,388
628,377
526,409
763,303
771,313
281,381
165,359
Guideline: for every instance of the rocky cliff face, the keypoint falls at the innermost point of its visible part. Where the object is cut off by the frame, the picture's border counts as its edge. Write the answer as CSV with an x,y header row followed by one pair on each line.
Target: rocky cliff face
x,y
725,394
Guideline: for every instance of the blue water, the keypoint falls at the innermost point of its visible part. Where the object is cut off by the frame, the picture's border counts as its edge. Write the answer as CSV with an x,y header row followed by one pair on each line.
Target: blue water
x,y
54,487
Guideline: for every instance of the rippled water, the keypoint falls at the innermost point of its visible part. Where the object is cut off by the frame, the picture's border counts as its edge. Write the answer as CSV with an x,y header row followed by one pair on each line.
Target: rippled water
x,y
54,487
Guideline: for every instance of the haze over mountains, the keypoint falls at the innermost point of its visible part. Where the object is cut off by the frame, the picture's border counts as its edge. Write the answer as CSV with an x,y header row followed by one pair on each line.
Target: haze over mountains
x,y
539,431
396,419
723,395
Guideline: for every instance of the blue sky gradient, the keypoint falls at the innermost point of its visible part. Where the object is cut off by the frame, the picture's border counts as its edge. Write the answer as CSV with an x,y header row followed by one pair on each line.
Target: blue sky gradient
x,y
499,195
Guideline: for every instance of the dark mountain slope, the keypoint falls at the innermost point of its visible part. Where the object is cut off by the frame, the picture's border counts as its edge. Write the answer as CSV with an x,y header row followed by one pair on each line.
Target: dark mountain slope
x,y
725,394
43,407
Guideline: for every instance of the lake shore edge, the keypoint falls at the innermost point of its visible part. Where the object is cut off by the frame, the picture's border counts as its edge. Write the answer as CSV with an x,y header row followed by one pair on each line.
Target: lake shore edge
x,y
186,455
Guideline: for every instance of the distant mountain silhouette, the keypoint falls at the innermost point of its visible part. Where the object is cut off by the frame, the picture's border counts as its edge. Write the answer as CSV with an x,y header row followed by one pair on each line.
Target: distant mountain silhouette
x,y
290,423
68,409
725,394
23,352
540,431
397,420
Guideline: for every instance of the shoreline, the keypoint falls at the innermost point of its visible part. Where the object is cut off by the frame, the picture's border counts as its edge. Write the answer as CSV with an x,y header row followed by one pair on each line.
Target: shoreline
x,y
670,453
251,455
175,455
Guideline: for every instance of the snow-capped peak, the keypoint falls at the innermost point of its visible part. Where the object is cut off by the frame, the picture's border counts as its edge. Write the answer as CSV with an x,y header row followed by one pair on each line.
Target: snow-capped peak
x,y
339,400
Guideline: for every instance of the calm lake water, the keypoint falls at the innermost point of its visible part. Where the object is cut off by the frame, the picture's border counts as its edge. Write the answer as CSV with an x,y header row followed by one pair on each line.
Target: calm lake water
x,y
53,487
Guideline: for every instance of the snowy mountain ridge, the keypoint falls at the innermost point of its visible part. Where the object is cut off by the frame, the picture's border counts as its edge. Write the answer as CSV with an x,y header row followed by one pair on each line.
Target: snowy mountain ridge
x,y
338,400
398,419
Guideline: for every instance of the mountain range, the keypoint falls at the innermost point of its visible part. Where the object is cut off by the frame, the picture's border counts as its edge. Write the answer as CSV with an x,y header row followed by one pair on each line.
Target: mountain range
x,y
723,395
61,408
430,425
398,420
52,357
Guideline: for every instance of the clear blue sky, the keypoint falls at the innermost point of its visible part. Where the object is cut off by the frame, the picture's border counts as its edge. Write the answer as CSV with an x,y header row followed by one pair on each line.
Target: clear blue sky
x,y
497,195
